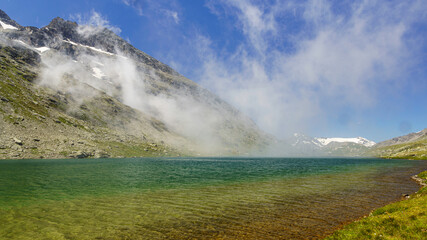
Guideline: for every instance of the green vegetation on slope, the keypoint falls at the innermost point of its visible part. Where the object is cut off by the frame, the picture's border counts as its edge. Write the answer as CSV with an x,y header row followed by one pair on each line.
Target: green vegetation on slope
x,y
401,220
37,122
416,150
69,117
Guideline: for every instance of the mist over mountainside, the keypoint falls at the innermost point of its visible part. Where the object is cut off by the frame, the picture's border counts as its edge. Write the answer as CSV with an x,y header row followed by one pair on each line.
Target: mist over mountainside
x,y
70,90
87,79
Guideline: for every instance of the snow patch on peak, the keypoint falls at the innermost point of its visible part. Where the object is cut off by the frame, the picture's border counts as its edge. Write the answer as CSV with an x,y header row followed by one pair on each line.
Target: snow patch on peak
x,y
7,26
42,49
91,48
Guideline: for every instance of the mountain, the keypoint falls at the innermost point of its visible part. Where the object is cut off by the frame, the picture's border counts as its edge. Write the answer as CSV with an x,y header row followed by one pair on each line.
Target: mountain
x,y
69,90
302,145
346,146
358,140
411,146
412,137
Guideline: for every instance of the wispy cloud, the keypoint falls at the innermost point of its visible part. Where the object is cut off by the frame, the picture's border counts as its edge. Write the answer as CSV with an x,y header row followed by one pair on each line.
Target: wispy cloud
x,y
172,14
137,5
256,21
167,8
93,23
342,57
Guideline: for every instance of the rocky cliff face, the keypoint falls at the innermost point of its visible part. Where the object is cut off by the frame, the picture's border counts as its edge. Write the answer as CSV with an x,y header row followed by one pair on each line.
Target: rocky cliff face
x,y
70,90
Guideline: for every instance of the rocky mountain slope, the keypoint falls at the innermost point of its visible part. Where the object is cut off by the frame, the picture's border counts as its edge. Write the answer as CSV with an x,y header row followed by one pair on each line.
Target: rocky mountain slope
x,y
81,91
411,146
412,137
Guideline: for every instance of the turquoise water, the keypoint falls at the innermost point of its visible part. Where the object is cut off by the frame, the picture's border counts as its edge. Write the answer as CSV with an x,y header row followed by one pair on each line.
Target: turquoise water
x,y
181,198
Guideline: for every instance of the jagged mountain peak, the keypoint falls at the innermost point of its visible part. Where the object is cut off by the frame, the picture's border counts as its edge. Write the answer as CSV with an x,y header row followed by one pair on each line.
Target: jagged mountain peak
x,y
59,30
58,21
68,29
4,16
6,22
84,34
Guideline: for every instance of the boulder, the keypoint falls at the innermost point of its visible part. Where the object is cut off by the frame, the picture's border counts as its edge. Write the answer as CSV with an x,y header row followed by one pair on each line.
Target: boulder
x,y
81,154
17,141
101,154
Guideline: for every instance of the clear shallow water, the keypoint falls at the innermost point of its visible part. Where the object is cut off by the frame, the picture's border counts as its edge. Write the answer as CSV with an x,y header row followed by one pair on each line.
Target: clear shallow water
x,y
201,198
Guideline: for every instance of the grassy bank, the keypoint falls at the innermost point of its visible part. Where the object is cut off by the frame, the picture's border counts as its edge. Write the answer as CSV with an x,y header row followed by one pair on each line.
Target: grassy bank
x,y
416,150
406,219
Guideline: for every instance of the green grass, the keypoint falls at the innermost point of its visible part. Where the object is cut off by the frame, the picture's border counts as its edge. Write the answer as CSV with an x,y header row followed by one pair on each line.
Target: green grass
x,y
127,149
406,219
413,150
21,98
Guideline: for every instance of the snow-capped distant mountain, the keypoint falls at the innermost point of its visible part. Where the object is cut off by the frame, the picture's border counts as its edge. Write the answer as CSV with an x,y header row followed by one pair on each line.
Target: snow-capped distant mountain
x,y
299,138
300,144
358,140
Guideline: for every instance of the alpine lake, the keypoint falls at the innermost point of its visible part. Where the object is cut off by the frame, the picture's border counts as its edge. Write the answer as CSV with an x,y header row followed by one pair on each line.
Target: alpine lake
x,y
195,198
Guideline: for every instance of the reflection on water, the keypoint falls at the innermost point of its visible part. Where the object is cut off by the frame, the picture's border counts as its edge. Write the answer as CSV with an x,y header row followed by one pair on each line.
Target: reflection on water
x,y
200,198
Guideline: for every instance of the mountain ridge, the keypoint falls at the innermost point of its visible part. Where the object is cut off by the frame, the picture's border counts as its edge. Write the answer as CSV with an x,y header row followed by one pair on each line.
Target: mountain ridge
x,y
358,140
410,146
88,77
411,137
6,19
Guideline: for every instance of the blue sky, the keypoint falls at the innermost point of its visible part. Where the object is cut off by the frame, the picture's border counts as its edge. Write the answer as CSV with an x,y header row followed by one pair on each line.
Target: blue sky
x,y
323,68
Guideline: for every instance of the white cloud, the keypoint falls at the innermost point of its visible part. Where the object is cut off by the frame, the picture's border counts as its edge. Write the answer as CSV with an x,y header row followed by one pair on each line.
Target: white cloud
x,y
257,21
340,60
173,15
93,24
149,8
134,4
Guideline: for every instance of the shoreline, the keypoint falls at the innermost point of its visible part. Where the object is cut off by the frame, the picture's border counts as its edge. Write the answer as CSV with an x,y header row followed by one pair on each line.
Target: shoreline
x,y
374,226
422,182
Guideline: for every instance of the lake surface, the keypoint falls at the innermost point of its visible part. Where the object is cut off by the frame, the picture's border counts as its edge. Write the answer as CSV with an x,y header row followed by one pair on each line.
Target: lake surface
x,y
194,198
